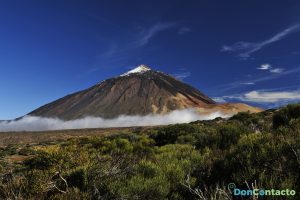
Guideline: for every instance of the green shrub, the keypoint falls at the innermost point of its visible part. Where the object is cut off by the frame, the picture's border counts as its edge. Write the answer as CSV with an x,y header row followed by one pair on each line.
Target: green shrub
x,y
78,178
169,134
284,115
42,161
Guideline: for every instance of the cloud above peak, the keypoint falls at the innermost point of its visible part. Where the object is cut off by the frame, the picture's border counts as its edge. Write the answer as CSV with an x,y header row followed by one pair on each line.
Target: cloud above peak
x,y
152,31
246,49
120,50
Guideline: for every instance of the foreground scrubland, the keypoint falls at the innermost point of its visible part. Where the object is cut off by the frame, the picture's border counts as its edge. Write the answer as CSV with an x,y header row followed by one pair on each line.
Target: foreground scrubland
x,y
183,161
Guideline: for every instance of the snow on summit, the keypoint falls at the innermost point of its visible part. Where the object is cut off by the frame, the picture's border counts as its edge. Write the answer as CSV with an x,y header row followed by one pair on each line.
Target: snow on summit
x,y
139,69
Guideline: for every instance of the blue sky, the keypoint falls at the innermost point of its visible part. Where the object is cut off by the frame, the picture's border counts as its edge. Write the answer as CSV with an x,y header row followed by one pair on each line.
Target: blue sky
x,y
235,51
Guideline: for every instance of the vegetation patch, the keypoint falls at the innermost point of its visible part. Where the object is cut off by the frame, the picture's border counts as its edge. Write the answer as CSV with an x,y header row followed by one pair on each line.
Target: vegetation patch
x,y
183,161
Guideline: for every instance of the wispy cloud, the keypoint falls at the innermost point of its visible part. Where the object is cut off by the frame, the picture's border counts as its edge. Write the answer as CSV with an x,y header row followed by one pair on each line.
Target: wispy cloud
x,y
120,50
149,33
267,96
264,67
248,83
270,69
269,76
276,75
181,75
277,70
245,49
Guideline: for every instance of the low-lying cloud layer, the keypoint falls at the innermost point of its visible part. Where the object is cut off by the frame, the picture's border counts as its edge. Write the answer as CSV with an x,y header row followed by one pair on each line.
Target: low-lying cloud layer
x,y
33,123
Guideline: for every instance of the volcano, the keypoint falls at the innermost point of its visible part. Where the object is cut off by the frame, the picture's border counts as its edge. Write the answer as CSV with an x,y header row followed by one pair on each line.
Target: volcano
x,y
140,91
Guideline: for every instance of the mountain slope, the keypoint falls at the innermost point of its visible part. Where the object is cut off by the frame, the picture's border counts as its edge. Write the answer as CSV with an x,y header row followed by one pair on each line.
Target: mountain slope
x,y
140,91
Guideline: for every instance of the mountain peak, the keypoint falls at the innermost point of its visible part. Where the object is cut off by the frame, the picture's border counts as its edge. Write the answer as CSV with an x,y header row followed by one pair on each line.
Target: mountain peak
x,y
140,91
139,69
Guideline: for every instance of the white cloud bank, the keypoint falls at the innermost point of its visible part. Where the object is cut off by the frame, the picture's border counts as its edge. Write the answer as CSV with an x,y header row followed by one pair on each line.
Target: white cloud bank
x,y
256,96
267,97
33,123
